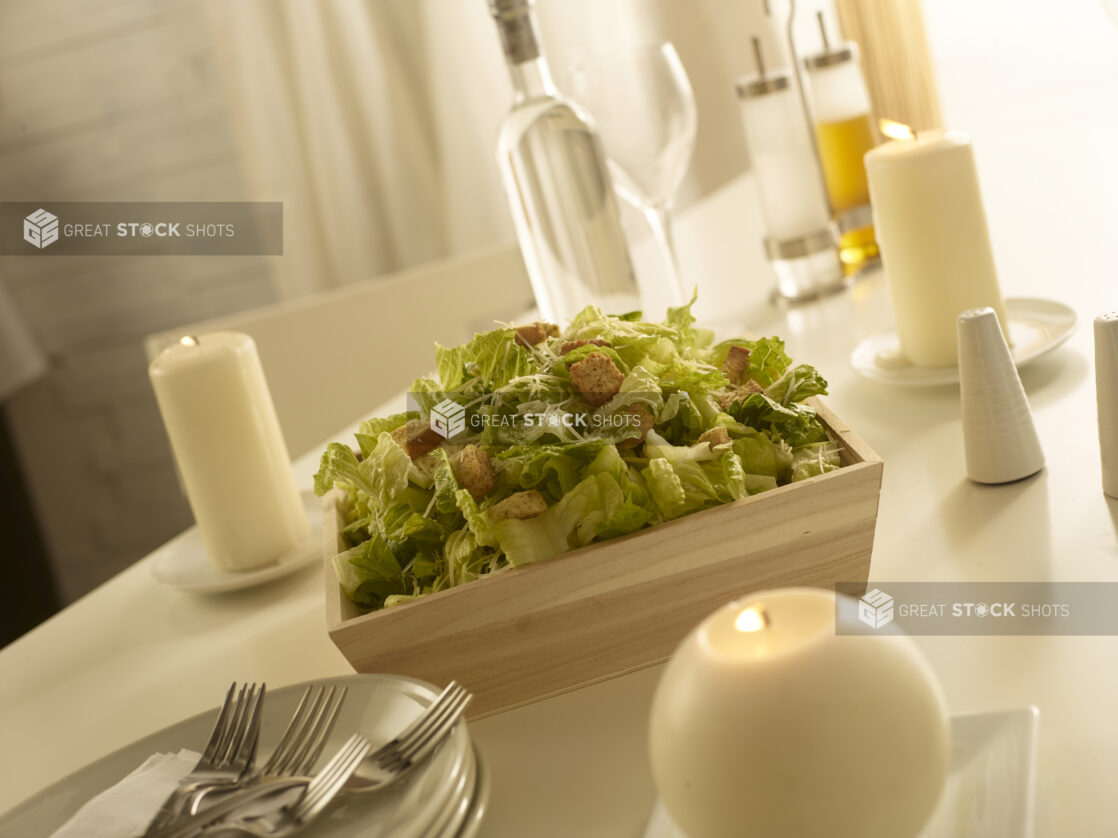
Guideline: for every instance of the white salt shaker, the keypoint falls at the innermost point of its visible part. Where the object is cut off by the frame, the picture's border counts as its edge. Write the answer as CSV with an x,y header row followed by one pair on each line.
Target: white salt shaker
x,y
1106,393
998,432
801,242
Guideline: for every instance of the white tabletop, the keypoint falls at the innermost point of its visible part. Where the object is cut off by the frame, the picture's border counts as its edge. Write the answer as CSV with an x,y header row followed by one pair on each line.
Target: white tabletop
x,y
131,657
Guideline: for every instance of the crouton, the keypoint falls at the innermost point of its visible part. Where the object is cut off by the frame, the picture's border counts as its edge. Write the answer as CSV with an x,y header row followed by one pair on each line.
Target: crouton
x,y
535,333
521,505
571,345
715,436
643,422
474,471
745,391
596,378
736,365
416,438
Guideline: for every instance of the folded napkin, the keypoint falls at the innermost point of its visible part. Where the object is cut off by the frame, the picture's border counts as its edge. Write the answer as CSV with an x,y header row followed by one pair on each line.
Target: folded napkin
x,y
127,808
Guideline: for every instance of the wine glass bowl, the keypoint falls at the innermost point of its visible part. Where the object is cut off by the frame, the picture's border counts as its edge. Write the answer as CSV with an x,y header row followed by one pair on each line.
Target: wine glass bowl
x,y
644,109
642,105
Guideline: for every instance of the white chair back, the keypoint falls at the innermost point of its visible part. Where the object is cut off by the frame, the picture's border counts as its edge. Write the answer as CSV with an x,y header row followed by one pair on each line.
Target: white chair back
x,y
332,357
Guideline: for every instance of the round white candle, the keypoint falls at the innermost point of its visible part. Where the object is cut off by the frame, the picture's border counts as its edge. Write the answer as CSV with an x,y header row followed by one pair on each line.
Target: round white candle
x,y
935,247
766,723
229,448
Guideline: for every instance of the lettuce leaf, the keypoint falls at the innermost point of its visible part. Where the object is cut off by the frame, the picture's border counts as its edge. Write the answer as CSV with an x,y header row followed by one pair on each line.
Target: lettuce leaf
x,y
369,573
767,360
691,340
529,540
666,488
761,456
492,358
370,430
813,460
379,477
796,384
796,424
597,505
552,470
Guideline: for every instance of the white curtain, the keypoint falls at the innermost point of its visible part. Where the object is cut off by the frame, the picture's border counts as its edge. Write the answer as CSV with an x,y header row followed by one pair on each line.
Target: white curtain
x,y
333,115
374,121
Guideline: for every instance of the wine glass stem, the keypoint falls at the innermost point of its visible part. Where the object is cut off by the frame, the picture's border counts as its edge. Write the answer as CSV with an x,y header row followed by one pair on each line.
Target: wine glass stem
x,y
659,219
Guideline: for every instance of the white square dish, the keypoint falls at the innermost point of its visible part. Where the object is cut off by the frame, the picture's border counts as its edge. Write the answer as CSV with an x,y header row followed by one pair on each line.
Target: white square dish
x,y
990,791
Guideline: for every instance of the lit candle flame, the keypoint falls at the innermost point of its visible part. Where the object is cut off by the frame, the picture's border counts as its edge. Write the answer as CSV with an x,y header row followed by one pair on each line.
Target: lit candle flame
x,y
896,130
188,340
751,619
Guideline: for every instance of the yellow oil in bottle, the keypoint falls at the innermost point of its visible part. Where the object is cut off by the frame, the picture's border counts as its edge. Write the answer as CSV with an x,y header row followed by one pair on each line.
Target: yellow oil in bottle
x,y
842,145
857,249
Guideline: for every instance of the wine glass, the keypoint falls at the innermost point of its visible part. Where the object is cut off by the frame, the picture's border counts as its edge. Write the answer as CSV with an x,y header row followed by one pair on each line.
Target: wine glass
x,y
644,109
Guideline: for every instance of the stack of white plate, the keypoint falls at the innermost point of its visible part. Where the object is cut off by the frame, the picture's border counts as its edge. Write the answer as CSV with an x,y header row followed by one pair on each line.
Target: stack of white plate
x,y
445,797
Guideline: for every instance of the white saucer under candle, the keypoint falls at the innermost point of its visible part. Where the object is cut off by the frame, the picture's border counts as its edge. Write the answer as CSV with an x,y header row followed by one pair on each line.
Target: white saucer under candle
x,y
1036,327
767,722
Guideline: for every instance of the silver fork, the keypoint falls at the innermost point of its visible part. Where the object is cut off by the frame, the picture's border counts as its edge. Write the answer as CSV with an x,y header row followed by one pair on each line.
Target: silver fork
x,y
302,741
227,757
320,791
386,765
299,748
397,757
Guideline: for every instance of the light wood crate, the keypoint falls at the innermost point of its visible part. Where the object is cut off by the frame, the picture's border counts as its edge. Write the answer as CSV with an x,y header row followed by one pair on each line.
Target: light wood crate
x,y
618,605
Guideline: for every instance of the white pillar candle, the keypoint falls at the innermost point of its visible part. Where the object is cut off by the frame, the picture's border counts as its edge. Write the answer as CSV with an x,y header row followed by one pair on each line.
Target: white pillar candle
x,y
767,722
229,448
931,228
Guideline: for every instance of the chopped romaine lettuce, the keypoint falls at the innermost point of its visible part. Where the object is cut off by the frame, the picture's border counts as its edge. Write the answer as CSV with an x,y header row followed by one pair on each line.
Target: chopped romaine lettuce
x,y
565,465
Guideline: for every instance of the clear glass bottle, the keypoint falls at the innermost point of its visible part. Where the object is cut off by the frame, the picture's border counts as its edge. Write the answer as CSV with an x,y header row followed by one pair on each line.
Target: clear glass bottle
x,y
559,188
844,132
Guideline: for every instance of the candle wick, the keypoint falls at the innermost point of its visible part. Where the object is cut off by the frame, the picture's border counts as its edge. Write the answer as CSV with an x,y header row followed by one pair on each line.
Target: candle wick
x,y
754,618
823,31
189,340
760,58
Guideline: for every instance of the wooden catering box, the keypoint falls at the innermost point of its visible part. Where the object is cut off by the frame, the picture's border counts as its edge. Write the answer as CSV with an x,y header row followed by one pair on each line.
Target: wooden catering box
x,y
621,604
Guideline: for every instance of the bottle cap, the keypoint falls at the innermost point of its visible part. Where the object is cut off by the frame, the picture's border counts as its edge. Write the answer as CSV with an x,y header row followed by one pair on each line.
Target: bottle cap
x,y
832,57
750,87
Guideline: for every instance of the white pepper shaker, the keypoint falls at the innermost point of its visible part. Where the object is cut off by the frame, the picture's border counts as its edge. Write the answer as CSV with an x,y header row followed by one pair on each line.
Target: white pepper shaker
x,y
998,432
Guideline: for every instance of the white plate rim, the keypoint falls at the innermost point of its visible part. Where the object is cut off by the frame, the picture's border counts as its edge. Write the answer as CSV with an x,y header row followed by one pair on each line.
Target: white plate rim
x,y
205,578
863,358
478,805
455,809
